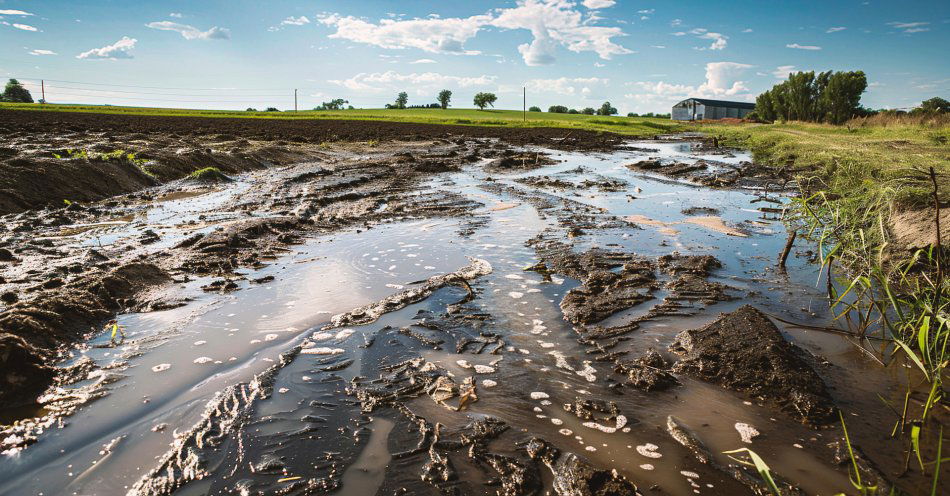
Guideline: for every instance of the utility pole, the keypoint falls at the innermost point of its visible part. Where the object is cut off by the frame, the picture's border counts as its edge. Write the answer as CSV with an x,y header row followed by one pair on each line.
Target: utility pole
x,y
295,100
524,103
43,89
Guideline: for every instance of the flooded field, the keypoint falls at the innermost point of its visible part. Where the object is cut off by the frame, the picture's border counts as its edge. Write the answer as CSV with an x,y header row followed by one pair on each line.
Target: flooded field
x,y
481,325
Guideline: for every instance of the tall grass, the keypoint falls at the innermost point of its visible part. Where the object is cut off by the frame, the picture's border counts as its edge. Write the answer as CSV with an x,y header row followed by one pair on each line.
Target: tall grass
x,y
888,119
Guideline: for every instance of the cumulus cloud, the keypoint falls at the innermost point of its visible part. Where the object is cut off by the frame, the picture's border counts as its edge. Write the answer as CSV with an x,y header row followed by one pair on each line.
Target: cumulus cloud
x,y
191,32
718,39
567,86
14,12
42,52
802,47
423,61
552,23
722,81
176,15
25,27
599,4
836,29
385,81
118,50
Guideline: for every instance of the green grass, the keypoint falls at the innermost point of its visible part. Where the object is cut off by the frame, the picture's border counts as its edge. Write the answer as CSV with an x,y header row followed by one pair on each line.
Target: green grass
x,y
635,126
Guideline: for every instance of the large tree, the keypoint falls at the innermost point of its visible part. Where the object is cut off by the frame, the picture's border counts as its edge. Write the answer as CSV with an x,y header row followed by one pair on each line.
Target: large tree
x,y
832,97
401,100
15,92
445,96
606,109
935,105
483,100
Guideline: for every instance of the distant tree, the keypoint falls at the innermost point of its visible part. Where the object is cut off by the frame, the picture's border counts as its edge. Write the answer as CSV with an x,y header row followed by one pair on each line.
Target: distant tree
x,y
251,109
633,114
271,109
401,100
483,100
444,97
335,104
935,105
606,109
534,109
840,98
588,111
557,109
15,92
350,107
573,111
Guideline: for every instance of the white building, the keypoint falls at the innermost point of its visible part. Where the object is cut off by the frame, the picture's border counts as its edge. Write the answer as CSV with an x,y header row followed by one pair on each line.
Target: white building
x,y
694,109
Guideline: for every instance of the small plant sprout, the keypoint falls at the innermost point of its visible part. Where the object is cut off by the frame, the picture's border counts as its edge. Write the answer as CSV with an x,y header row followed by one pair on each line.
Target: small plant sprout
x,y
760,466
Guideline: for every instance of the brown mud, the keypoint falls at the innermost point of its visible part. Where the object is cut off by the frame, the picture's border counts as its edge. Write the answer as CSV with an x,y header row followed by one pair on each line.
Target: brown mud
x,y
564,346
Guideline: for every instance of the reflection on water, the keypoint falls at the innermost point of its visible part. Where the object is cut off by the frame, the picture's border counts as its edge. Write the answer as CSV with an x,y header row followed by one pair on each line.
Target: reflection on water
x,y
178,359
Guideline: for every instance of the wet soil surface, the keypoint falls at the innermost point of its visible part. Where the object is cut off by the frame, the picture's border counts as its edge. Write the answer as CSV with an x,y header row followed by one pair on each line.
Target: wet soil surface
x,y
457,315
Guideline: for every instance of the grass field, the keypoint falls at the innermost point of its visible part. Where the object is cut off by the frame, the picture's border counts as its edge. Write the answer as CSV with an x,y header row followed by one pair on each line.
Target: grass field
x,y
635,126
847,160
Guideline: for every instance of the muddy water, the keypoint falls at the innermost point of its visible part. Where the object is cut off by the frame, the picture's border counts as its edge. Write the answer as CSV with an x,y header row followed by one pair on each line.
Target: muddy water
x,y
308,430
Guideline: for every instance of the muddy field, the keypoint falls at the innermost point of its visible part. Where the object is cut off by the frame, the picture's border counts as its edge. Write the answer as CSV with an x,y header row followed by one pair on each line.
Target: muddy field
x,y
362,308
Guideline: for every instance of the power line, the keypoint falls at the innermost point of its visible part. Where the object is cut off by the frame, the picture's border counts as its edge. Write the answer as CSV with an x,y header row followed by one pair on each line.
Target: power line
x,y
74,95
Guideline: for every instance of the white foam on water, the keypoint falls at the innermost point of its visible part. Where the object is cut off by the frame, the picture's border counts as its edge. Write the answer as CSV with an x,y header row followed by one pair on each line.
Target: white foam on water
x,y
649,450
161,367
746,432
539,395
321,350
203,359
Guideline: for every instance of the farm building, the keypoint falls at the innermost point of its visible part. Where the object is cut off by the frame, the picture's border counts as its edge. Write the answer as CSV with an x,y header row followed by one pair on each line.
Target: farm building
x,y
694,109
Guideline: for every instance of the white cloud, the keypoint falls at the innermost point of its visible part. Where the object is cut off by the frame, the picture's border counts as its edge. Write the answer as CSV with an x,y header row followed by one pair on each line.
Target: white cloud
x,y
383,81
423,61
782,71
25,27
718,39
599,4
802,47
42,52
910,27
722,80
430,35
118,50
295,21
676,22
747,30
176,15
191,32
836,29
567,86
646,11
15,12
552,23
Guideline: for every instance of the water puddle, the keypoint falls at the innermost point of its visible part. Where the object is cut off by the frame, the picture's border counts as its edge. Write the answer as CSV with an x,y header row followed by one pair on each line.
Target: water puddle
x,y
320,408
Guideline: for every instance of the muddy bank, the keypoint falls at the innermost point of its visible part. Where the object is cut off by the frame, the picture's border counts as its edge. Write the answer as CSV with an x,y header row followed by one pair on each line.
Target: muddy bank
x,y
94,160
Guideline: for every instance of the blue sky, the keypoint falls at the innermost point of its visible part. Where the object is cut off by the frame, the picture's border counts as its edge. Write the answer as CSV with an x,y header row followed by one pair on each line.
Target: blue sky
x,y
640,55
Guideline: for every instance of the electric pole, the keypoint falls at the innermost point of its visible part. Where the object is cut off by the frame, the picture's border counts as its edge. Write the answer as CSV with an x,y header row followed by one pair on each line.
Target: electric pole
x,y
43,90
524,103
295,100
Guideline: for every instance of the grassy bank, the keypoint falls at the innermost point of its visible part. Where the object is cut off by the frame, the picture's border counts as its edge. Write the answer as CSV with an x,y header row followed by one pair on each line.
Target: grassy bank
x,y
857,182
635,126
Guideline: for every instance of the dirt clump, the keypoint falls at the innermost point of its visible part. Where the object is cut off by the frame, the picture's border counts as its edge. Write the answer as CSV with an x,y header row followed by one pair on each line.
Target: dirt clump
x,y
650,372
575,477
745,352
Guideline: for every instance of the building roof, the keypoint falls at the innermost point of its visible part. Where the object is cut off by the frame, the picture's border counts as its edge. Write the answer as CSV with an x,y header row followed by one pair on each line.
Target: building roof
x,y
722,103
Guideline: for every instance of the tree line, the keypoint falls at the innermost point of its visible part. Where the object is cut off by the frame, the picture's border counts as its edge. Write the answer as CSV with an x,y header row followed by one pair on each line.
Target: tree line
x,y
832,97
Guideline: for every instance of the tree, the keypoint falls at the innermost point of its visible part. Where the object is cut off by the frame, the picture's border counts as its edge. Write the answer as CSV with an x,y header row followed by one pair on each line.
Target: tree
x,y
534,109
483,100
335,104
606,109
573,111
15,92
444,97
557,109
271,109
588,111
935,105
828,96
633,114
251,109
401,100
